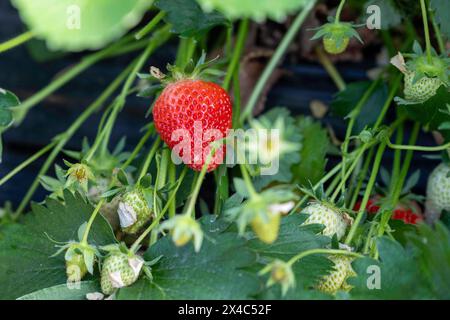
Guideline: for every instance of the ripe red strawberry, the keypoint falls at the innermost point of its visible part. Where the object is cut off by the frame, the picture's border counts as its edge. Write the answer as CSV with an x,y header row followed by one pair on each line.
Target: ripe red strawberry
x,y
401,212
203,109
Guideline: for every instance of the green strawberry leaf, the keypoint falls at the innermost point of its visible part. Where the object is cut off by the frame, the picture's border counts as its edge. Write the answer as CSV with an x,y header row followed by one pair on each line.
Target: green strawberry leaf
x,y
345,101
25,249
188,19
433,245
293,239
396,272
216,272
75,25
315,145
442,15
64,292
257,10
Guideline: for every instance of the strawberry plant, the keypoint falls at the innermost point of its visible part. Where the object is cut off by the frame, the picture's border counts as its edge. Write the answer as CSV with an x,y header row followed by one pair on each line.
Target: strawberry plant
x,y
226,195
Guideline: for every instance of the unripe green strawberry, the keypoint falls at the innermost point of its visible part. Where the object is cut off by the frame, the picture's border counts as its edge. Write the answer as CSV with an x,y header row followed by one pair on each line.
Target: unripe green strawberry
x,y
335,46
334,221
133,211
120,270
267,228
337,279
76,268
336,36
421,90
438,192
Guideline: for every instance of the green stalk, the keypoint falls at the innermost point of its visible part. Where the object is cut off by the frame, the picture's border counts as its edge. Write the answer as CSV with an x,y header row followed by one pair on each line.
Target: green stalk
x,y
437,32
348,173
150,26
397,158
161,177
417,148
339,11
248,181
327,177
172,178
65,137
371,183
232,67
159,38
237,99
279,53
17,41
149,158
155,222
426,30
306,253
138,147
91,221
331,69
361,177
66,77
352,122
27,162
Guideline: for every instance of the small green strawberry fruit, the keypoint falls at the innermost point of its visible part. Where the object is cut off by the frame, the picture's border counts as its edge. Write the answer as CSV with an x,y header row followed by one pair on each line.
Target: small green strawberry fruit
x,y
334,221
120,270
337,279
134,211
424,75
422,89
438,192
336,36
76,268
267,226
335,45
183,228
281,273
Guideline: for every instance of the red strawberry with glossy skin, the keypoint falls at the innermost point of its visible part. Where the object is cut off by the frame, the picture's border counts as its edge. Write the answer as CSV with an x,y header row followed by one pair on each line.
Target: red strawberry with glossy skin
x,y
401,212
203,109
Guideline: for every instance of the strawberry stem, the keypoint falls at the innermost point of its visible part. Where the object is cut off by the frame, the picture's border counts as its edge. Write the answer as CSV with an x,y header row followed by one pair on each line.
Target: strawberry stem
x,y
248,181
426,30
27,162
65,137
331,69
276,58
306,253
150,26
437,32
17,41
367,194
149,158
233,66
339,11
91,221
155,222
